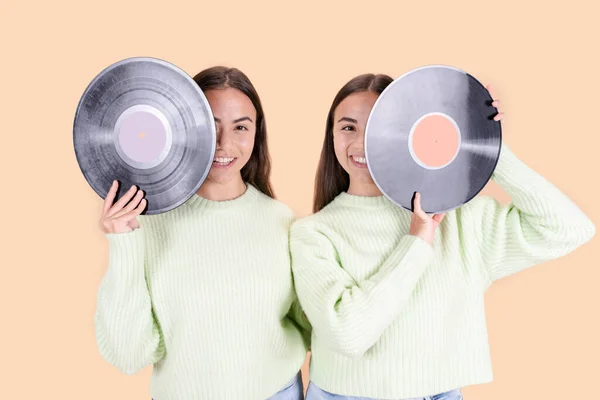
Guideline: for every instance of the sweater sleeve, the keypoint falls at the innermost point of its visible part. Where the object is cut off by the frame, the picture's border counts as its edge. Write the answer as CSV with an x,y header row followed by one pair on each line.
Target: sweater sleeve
x,y
541,223
296,314
346,314
127,333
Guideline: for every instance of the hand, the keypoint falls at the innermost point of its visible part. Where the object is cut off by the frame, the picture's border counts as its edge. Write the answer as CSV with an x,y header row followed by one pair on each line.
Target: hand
x,y
422,224
119,218
495,103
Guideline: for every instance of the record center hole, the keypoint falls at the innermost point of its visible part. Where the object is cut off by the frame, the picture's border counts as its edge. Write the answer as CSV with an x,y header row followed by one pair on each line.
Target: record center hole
x,y
435,140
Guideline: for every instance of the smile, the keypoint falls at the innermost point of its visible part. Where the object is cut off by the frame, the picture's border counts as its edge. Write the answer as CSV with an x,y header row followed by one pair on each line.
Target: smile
x,y
223,162
359,161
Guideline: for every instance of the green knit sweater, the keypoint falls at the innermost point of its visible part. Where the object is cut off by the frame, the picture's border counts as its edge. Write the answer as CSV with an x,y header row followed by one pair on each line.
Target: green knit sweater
x,y
205,293
394,317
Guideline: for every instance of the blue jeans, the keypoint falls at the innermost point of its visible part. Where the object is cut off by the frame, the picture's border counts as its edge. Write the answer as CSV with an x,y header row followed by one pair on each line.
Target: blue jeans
x,y
292,391
315,393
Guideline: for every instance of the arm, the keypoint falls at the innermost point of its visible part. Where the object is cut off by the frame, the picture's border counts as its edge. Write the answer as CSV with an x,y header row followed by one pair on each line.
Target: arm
x,y
349,315
297,315
541,223
127,334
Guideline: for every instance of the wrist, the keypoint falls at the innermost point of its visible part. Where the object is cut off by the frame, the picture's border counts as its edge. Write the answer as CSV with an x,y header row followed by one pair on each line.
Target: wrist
x,y
423,237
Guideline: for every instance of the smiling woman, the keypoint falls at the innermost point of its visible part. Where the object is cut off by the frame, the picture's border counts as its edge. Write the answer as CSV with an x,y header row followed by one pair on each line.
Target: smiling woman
x,y
396,298
234,119
344,138
205,292
242,153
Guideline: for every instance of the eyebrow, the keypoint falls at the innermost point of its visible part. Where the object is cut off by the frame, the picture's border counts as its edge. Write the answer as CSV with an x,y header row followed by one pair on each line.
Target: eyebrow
x,y
218,120
348,119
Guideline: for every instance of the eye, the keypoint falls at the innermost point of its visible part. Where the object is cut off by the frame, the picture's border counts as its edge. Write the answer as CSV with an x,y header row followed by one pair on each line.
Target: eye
x,y
348,128
241,128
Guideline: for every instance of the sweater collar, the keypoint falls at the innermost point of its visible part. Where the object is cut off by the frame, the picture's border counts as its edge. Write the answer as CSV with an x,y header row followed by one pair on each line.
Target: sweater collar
x,y
366,202
245,199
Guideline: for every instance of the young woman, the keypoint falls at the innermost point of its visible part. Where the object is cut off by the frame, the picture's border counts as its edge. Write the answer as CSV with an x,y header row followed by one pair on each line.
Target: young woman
x,y
204,292
395,301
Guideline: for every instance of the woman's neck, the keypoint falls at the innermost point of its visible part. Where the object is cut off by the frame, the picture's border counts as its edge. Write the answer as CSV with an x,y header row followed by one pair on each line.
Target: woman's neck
x,y
216,191
367,189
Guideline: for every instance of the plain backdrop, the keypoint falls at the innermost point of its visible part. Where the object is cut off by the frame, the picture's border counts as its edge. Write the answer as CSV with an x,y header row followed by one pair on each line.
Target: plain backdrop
x,y
541,57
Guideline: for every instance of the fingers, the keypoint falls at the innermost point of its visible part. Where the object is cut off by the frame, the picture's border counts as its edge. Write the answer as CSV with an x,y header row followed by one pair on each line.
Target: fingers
x,y
122,201
110,197
495,103
134,203
417,210
137,211
439,217
131,206
133,224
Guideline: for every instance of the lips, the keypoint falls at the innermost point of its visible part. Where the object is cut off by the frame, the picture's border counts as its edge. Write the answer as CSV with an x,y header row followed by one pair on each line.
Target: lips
x,y
360,159
223,161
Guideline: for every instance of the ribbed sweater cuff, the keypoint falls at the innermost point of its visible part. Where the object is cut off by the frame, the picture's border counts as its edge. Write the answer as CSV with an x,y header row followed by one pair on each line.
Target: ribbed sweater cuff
x,y
126,254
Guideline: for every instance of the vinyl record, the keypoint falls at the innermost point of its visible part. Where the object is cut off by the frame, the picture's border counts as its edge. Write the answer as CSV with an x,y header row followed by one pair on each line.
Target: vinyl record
x,y
432,131
145,122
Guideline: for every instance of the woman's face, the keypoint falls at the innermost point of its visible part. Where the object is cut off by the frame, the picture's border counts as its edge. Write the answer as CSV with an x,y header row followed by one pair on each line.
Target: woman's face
x,y
235,118
350,120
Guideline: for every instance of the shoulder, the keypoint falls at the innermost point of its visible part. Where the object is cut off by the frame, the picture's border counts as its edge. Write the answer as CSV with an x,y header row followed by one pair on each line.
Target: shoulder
x,y
478,206
311,236
165,218
274,207
475,215
320,223
323,220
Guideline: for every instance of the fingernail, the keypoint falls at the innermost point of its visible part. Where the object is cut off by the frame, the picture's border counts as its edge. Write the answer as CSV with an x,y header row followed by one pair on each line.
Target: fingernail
x,y
132,187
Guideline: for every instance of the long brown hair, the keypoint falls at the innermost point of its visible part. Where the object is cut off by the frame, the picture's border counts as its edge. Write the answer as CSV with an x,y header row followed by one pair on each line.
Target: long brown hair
x,y
257,170
331,179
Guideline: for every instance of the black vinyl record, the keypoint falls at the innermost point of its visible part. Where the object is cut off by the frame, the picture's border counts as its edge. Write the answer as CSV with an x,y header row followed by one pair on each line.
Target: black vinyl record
x,y
432,131
145,122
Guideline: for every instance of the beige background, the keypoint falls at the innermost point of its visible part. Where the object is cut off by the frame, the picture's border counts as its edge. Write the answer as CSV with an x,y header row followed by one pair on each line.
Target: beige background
x,y
544,328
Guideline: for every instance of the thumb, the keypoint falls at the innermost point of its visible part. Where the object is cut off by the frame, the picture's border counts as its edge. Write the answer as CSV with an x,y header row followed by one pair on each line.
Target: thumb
x,y
417,210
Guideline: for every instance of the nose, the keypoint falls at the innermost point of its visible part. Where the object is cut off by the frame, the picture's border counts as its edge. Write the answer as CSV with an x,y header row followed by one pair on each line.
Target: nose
x,y
359,143
224,138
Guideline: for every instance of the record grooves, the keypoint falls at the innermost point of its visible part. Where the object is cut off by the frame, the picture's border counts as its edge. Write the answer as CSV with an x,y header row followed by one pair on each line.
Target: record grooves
x,y
144,121
432,131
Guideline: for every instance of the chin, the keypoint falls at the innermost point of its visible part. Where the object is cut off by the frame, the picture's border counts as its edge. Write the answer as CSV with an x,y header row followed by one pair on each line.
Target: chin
x,y
222,179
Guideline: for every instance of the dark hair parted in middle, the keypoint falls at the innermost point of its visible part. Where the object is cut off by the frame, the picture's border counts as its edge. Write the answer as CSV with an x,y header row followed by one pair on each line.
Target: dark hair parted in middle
x,y
331,179
257,170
